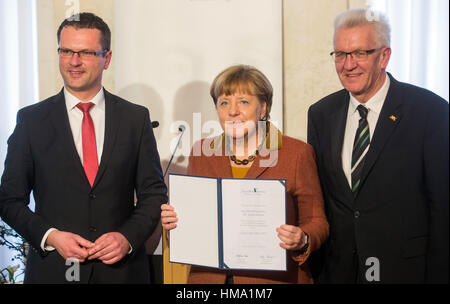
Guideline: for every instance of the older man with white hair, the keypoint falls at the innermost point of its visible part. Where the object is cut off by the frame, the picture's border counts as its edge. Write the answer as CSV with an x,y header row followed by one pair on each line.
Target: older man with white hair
x,y
383,157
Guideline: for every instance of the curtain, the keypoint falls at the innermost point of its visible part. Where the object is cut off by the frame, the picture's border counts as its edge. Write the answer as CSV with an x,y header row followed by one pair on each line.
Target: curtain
x,y
419,41
18,74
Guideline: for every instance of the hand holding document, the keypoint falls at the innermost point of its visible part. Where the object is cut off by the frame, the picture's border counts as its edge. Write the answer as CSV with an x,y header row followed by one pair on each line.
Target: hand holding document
x,y
227,223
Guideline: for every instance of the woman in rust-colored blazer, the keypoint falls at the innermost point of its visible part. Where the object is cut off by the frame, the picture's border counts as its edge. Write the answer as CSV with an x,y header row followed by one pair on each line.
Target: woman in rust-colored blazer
x,y
252,147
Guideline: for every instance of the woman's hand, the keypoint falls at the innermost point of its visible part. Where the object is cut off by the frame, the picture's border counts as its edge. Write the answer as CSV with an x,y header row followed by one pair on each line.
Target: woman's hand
x,y
168,217
292,237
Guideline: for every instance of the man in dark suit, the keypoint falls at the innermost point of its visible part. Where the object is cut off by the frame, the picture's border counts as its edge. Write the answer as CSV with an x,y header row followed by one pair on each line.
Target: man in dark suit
x,y
84,153
382,153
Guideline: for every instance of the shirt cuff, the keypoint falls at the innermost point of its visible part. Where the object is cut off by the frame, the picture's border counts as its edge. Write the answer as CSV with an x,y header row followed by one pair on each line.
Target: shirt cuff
x,y
44,239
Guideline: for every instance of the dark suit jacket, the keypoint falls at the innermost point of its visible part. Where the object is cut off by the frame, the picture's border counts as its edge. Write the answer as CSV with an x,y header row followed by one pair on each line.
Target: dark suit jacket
x,y
288,159
42,158
400,215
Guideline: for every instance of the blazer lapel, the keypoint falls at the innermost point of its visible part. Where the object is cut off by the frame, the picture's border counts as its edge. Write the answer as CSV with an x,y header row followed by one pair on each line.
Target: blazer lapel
x,y
60,121
390,116
221,165
112,121
216,157
259,167
268,152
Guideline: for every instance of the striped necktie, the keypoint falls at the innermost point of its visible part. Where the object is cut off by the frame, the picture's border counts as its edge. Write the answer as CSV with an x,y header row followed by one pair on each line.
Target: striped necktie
x,y
360,146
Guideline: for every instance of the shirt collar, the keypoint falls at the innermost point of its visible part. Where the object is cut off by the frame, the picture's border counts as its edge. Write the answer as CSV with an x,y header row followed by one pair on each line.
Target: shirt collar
x,y
72,101
375,103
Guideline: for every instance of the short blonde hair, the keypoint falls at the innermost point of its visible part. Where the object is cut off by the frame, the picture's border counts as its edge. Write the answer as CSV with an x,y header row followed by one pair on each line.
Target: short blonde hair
x,y
244,79
361,17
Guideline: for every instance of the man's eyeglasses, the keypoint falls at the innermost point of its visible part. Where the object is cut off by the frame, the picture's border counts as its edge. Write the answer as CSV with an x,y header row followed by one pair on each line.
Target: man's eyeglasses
x,y
82,54
357,55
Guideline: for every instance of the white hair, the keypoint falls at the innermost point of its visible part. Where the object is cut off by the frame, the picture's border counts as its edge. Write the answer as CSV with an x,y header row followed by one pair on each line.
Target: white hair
x,y
361,17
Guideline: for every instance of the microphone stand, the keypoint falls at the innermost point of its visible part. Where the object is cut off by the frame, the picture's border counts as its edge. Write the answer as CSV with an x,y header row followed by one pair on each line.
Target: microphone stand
x,y
181,128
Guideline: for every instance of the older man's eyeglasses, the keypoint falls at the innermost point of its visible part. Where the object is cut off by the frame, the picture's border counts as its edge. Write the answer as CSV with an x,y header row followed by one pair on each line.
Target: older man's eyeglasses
x,y
357,55
66,53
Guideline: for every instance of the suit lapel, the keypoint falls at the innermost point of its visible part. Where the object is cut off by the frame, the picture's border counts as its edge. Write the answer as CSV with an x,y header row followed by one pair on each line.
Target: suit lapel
x,y
390,116
112,121
337,125
60,121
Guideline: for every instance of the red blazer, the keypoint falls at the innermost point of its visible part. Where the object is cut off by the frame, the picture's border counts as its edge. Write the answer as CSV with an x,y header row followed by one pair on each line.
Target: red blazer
x,y
288,159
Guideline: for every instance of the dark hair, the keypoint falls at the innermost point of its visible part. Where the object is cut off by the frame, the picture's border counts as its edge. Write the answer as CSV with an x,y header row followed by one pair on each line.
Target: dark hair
x,y
245,79
88,21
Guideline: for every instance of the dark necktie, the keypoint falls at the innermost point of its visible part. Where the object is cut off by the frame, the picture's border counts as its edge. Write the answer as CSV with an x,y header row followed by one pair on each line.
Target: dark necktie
x,y
362,141
90,161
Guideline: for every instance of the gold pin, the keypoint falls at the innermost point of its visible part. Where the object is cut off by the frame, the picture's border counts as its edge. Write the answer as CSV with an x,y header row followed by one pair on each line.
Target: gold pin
x,y
393,118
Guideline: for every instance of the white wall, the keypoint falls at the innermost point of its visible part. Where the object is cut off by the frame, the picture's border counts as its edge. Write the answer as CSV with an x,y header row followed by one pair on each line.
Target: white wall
x,y
168,52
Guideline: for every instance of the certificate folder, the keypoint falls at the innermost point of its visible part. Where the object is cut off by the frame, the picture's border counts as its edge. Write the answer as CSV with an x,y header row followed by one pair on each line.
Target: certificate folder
x,y
227,223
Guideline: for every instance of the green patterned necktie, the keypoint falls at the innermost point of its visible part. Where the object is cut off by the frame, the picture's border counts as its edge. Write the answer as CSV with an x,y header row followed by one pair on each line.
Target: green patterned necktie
x,y
360,145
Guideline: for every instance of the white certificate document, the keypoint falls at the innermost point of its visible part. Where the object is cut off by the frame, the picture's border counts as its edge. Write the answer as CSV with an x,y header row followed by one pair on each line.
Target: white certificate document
x,y
227,223
252,210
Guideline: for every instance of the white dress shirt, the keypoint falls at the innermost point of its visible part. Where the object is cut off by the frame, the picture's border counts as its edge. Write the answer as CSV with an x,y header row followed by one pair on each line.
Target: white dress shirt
x,y
97,113
374,106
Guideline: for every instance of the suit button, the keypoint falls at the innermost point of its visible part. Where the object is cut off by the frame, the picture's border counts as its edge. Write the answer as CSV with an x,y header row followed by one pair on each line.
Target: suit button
x,y
357,214
92,229
92,196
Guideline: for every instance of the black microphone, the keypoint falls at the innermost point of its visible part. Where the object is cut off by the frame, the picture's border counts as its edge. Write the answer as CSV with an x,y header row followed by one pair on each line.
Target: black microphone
x,y
181,128
155,124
